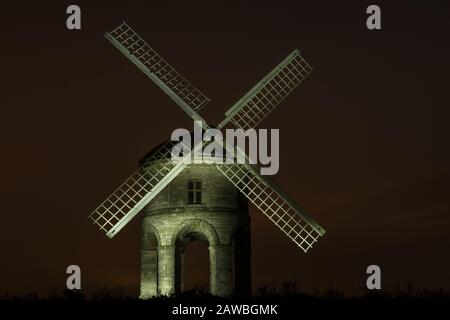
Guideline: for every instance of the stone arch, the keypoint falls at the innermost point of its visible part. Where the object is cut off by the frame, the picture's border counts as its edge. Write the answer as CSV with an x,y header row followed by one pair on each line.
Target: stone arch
x,y
150,236
190,230
195,229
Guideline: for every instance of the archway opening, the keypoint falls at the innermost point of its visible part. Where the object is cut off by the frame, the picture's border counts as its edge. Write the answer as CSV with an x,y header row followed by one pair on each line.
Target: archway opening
x,y
196,267
193,262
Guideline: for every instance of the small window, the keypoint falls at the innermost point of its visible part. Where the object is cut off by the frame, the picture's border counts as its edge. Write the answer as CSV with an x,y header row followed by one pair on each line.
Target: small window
x,y
194,189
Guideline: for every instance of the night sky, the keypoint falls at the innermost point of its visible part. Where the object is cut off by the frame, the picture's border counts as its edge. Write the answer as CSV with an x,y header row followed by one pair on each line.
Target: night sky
x,y
364,140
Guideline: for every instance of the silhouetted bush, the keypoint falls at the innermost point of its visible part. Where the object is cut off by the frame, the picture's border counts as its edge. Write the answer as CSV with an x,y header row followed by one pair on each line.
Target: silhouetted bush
x,y
288,290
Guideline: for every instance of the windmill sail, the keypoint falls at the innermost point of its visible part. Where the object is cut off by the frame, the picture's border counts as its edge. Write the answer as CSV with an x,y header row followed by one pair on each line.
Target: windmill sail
x,y
137,191
267,196
274,203
156,68
264,97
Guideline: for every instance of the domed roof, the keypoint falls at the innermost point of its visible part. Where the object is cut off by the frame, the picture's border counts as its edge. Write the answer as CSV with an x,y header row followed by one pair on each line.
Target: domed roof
x,y
159,152
163,151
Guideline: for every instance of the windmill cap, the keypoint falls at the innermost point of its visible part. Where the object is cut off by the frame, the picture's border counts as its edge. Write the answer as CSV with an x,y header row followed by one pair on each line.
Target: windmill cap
x,y
157,154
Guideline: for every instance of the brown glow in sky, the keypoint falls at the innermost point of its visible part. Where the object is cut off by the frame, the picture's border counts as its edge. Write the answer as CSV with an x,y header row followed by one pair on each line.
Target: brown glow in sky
x,y
364,140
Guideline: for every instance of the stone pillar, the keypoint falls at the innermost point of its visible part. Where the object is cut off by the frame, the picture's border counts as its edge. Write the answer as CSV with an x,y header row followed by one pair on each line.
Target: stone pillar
x,y
166,270
149,273
179,269
221,264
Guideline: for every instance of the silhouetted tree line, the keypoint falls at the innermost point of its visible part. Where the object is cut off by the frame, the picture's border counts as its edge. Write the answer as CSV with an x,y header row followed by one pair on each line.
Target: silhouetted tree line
x,y
287,290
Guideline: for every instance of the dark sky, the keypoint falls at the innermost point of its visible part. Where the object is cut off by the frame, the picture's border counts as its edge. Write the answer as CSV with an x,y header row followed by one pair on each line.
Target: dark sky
x,y
364,140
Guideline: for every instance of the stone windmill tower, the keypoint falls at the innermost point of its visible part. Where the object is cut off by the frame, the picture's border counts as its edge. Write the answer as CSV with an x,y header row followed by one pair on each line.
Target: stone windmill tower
x,y
199,204
183,202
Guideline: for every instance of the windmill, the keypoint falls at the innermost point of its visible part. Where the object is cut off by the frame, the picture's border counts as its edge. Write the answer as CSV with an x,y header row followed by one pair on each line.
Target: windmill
x,y
182,202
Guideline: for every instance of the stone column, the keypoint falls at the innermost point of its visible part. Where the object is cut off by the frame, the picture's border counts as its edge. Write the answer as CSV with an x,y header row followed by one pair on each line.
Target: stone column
x,y
166,270
179,269
149,273
221,264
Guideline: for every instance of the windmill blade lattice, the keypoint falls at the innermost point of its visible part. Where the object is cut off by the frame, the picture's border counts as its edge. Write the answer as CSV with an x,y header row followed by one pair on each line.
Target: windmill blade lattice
x,y
154,66
277,206
137,191
266,95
